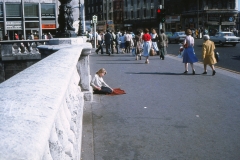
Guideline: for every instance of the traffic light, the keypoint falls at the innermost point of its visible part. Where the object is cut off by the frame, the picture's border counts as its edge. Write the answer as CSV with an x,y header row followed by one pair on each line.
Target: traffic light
x,y
158,14
163,16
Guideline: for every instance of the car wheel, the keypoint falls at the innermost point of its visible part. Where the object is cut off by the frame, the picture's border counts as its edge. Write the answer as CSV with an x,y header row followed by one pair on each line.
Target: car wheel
x,y
221,44
234,44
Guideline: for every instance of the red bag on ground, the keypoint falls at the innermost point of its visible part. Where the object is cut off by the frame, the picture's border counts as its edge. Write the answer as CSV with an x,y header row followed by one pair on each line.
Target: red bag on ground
x,y
117,91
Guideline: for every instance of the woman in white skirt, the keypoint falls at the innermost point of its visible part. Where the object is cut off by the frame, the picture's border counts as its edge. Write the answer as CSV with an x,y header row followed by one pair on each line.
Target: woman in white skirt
x,y
154,38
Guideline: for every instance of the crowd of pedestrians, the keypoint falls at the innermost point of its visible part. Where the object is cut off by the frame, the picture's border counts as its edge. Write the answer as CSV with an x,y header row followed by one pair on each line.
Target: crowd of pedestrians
x,y
144,41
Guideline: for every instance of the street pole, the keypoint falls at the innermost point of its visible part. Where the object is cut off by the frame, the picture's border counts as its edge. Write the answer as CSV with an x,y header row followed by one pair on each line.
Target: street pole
x,y
80,28
220,23
95,35
163,24
197,14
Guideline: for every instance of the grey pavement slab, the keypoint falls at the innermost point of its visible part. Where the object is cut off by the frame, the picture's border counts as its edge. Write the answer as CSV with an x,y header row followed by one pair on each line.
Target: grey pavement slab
x,y
165,114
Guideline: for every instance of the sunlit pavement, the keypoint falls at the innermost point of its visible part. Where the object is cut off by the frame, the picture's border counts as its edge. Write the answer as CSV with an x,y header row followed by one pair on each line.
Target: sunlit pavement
x,y
165,114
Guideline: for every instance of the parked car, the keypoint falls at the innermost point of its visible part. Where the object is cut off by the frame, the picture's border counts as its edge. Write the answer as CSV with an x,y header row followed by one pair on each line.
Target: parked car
x,y
177,37
223,38
168,34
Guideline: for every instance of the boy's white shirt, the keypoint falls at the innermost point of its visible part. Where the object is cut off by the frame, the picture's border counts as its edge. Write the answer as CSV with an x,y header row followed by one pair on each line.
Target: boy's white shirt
x,y
98,82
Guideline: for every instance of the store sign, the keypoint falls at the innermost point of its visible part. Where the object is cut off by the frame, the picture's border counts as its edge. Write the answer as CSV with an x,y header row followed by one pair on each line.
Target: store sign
x,y
48,26
14,24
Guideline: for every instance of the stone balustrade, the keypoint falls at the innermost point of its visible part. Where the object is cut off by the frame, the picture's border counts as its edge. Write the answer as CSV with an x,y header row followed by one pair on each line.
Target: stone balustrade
x,y
21,49
41,107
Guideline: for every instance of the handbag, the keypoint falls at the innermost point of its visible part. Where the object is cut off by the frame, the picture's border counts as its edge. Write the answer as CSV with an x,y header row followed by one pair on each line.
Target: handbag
x,y
185,45
152,52
216,55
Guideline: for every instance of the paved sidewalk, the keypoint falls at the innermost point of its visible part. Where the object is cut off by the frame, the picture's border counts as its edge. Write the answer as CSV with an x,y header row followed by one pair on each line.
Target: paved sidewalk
x,y
165,114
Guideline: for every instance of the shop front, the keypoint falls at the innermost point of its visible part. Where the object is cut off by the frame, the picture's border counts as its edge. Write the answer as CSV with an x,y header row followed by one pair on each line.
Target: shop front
x,y
14,27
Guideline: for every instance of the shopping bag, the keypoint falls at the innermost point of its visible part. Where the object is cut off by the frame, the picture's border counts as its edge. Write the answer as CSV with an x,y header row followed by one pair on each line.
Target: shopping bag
x,y
152,52
216,54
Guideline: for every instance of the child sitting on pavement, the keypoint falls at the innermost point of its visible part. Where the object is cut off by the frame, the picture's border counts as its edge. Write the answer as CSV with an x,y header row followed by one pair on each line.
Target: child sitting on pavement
x,y
98,84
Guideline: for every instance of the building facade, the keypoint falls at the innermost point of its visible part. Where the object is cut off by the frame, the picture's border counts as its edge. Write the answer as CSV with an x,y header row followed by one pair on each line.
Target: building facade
x,y
139,14
24,18
204,14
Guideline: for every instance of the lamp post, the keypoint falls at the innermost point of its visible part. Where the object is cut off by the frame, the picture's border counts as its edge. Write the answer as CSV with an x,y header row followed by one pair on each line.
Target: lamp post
x,y
80,27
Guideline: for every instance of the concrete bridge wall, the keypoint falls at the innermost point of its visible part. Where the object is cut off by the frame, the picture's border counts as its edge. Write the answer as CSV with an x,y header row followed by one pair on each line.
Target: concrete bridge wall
x,y
41,107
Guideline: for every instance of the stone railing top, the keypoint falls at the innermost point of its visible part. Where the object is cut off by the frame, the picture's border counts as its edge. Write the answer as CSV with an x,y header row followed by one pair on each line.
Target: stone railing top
x,y
22,41
29,102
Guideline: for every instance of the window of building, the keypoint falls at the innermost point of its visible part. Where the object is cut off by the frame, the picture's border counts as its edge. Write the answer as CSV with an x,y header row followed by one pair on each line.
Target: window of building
x,y
96,8
1,10
132,14
138,15
110,6
125,15
145,13
152,11
125,3
92,9
131,2
13,10
144,2
32,24
138,3
48,10
31,10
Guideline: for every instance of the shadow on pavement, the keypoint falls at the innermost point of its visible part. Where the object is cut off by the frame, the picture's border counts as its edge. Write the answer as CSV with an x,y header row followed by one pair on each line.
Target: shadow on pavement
x,y
162,73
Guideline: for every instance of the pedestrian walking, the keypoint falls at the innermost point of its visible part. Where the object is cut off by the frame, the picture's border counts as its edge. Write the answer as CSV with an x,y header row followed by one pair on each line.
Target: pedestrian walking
x,y
50,35
138,45
117,42
108,41
123,43
189,55
163,43
147,44
98,84
128,38
100,43
154,39
16,37
6,37
208,48
113,42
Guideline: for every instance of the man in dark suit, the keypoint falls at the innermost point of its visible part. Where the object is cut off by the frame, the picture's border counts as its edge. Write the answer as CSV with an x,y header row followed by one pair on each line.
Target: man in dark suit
x,y
108,41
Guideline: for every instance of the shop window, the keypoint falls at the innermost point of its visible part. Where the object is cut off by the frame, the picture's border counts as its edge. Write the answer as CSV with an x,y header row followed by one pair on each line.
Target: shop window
x,y
1,10
13,10
31,10
32,24
48,10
